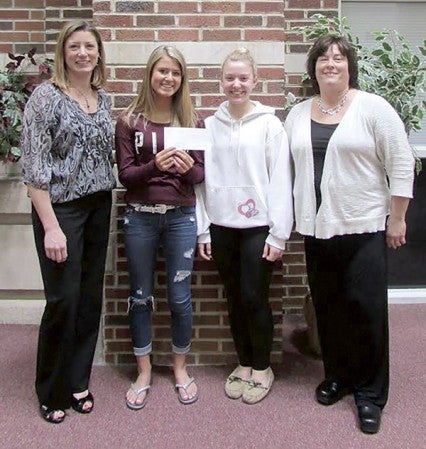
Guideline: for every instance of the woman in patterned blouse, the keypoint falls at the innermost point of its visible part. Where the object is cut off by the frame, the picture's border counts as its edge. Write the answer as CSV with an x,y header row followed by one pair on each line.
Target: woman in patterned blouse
x,y
66,144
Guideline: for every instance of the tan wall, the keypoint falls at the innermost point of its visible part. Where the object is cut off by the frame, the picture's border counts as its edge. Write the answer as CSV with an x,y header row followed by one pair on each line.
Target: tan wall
x,y
18,262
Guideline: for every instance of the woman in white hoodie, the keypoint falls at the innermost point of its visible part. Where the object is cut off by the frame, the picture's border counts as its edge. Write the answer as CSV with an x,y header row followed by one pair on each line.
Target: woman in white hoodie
x,y
245,216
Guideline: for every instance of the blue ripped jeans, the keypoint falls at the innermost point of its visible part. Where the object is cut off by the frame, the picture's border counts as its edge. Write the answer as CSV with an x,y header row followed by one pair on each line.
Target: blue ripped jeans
x,y
176,232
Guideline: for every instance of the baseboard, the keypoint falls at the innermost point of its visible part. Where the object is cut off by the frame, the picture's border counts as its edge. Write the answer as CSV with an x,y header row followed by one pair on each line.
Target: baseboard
x,y
22,311
407,295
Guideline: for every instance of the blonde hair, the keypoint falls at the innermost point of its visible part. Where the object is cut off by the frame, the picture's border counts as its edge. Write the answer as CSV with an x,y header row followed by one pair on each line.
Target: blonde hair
x,y
241,54
183,110
60,76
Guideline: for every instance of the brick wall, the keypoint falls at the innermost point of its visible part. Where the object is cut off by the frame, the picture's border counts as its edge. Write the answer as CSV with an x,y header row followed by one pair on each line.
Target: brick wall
x,y
25,24
194,27
216,28
205,31
59,12
22,25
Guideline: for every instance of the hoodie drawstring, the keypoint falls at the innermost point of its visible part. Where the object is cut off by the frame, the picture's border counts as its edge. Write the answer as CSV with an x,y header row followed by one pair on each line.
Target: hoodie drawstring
x,y
239,124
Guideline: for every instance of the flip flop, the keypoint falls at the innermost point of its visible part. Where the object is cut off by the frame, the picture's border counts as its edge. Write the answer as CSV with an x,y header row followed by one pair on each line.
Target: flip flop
x,y
135,405
185,388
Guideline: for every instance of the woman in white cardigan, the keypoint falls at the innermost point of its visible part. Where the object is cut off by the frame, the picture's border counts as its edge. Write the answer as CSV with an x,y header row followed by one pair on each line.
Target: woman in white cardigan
x,y
353,182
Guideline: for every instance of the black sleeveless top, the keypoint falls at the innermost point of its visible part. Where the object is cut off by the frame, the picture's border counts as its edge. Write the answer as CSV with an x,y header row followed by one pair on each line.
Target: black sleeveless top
x,y
320,136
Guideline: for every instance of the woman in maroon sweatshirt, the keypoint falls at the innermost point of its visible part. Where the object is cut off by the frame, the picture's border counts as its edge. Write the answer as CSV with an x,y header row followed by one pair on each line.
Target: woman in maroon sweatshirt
x,y
160,212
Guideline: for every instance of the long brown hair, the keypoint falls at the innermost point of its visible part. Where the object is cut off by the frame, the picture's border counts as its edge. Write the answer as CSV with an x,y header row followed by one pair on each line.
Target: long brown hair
x,y
183,110
60,76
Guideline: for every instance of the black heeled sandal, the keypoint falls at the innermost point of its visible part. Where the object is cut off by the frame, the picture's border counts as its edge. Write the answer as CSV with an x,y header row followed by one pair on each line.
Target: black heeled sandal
x,y
48,414
78,404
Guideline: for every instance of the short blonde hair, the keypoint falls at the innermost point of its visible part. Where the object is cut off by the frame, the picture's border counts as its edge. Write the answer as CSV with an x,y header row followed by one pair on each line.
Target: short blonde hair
x,y
60,76
241,54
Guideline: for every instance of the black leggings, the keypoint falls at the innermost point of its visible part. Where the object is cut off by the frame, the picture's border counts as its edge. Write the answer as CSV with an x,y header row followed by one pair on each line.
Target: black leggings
x,y
246,277
348,281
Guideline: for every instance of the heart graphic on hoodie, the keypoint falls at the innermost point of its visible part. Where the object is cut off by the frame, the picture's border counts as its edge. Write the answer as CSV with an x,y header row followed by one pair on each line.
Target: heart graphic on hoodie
x,y
248,209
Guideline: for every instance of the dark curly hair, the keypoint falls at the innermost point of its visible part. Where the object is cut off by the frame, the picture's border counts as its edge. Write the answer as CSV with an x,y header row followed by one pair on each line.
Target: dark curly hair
x,y
321,46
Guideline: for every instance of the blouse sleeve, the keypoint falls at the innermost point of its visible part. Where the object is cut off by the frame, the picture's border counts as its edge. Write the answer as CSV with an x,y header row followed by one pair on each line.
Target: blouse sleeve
x,y
36,137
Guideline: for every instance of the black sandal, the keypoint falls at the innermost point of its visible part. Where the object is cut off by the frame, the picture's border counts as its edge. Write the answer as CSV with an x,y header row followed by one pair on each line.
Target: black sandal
x,y
49,414
78,404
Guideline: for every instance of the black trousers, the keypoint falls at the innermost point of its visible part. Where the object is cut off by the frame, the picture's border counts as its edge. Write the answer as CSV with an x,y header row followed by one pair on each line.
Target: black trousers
x,y
246,277
348,281
74,292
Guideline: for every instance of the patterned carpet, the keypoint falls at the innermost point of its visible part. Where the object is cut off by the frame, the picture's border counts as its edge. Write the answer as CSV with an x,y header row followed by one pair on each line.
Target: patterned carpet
x,y
288,418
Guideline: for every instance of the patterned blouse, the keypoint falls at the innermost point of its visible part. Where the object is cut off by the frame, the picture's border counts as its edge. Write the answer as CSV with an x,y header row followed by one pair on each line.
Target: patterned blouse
x,y
65,150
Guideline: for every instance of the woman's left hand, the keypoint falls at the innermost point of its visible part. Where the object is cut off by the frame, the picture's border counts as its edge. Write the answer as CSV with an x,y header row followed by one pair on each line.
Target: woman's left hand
x,y
272,253
183,161
395,232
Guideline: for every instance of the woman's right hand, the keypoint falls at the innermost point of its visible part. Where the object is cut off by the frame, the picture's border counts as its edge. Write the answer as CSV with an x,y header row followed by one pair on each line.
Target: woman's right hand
x,y
164,160
55,245
55,242
205,251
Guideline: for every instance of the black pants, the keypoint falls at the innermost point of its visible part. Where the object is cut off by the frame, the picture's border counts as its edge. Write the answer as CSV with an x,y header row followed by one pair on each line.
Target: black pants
x,y
246,277
74,292
348,281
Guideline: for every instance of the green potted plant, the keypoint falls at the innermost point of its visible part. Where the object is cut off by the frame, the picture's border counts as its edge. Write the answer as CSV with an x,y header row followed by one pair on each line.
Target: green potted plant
x,y
16,85
391,68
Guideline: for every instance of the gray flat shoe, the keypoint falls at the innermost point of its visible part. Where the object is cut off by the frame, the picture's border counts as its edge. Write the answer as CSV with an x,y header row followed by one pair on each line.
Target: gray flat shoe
x,y
135,405
185,388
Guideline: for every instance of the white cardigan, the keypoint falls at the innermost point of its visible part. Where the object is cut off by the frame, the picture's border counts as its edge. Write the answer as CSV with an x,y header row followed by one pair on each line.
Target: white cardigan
x,y
368,148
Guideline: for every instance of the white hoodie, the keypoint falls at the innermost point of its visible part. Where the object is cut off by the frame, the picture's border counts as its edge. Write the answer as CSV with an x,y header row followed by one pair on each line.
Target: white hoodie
x,y
247,175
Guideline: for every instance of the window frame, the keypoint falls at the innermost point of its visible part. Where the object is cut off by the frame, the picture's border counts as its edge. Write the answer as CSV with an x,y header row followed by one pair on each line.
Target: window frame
x,y
420,147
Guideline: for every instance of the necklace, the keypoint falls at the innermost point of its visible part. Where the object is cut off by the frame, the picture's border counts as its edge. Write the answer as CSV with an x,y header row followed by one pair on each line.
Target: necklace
x,y
82,96
335,109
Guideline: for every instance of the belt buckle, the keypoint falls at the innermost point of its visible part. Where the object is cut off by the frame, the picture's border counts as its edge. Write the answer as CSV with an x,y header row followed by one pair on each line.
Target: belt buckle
x,y
160,208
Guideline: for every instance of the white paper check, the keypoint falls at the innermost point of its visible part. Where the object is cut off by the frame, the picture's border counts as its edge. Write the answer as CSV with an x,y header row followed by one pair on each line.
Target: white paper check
x,y
198,139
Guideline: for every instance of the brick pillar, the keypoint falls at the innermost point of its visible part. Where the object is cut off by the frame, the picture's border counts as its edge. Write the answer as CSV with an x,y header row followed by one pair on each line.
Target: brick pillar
x,y
205,31
197,28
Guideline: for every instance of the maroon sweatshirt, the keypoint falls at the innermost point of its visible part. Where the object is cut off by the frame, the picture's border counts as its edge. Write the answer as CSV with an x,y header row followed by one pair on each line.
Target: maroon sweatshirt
x,y
137,171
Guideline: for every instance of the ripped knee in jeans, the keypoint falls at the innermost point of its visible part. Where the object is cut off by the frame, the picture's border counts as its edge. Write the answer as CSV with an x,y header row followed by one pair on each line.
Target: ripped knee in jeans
x,y
181,275
141,304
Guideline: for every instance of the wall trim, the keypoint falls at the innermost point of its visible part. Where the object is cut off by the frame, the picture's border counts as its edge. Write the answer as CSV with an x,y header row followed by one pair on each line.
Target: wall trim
x,y
21,311
211,53
30,311
407,296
